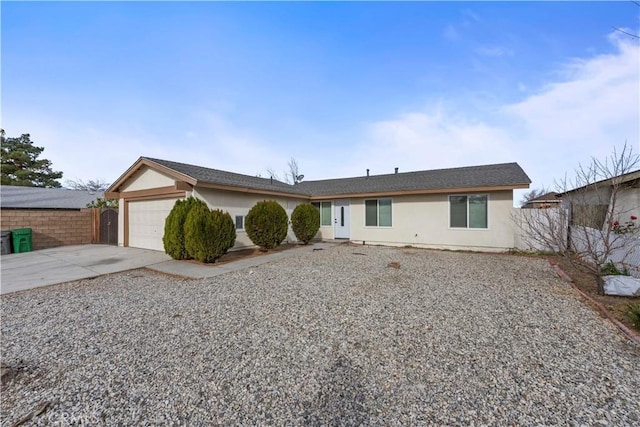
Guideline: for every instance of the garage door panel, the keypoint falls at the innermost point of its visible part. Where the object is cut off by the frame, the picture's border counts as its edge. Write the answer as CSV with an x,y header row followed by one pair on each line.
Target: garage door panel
x,y
146,223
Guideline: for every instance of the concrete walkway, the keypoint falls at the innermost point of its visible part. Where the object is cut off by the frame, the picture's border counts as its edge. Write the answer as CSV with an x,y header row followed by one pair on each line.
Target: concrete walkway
x,y
67,263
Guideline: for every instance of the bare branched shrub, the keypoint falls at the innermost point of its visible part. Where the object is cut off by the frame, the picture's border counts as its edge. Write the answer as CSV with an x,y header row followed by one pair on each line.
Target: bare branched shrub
x,y
596,222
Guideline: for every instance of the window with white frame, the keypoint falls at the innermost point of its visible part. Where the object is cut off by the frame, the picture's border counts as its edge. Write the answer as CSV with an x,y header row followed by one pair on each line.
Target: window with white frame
x,y
239,222
468,211
377,213
325,212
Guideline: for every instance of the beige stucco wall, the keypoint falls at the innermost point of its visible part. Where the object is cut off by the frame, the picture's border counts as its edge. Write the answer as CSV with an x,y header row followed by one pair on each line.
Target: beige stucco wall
x,y
239,204
423,221
325,232
121,222
146,178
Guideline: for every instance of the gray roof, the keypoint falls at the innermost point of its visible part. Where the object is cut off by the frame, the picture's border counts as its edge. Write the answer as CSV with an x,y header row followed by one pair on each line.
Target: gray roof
x,y
629,179
215,176
12,196
504,174
551,196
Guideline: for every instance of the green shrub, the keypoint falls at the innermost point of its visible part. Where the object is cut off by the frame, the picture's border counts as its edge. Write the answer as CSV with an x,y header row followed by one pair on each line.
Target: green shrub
x,y
173,238
223,233
208,234
610,269
266,224
194,227
305,222
633,313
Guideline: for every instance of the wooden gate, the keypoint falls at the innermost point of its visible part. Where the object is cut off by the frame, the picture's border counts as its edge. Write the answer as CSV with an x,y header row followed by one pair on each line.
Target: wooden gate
x,y
109,226
105,226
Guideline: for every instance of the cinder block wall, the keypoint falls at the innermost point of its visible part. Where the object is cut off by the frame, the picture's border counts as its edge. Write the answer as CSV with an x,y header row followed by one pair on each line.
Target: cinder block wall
x,y
51,227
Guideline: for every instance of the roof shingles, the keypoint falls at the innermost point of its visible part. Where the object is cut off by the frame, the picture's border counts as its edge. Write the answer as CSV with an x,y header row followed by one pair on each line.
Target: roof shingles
x,y
500,175
216,176
12,196
497,175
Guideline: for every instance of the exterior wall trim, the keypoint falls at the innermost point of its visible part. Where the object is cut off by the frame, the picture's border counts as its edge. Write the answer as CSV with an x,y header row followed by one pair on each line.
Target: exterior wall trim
x,y
462,190
252,190
153,193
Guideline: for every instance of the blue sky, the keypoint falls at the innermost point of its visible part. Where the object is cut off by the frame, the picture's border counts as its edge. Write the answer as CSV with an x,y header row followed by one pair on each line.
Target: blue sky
x,y
339,86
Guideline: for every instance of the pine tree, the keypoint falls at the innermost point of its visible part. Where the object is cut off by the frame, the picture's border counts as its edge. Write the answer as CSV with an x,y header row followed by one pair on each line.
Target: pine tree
x,y
21,166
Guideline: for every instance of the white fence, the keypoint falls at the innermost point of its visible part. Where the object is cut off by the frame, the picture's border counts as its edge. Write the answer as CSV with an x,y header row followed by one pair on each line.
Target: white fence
x,y
541,229
624,249
547,230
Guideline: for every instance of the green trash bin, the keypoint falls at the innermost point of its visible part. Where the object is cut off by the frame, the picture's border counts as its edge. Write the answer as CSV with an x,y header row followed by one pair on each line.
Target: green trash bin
x,y
21,240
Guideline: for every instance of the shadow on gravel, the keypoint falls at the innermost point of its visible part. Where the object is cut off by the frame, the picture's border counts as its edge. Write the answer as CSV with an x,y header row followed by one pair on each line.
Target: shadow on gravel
x,y
342,400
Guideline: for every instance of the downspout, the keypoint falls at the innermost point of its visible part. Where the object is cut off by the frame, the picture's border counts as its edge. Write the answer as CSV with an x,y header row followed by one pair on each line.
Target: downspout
x,y
569,223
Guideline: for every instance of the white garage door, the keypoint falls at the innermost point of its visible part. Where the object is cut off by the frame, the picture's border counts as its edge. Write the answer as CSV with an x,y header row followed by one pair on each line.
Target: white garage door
x,y
146,223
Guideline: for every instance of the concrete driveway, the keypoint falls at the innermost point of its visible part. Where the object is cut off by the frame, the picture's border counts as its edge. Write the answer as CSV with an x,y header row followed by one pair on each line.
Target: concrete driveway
x,y
63,264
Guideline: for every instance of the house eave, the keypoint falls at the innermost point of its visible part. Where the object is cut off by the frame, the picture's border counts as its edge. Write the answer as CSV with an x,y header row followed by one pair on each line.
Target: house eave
x,y
631,179
113,190
456,190
250,190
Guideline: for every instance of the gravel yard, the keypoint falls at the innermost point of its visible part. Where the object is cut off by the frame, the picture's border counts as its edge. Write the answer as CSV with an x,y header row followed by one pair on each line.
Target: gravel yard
x,y
333,337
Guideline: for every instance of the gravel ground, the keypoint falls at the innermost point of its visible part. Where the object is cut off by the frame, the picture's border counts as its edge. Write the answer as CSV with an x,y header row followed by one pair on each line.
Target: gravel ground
x,y
333,337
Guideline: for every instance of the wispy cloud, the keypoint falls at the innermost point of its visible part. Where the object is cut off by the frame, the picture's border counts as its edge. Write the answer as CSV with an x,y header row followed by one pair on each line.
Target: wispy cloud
x,y
451,33
236,148
593,105
471,15
429,139
494,51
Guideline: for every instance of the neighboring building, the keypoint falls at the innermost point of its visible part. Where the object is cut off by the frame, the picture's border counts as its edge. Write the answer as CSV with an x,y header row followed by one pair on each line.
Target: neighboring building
x,y
595,216
459,208
20,197
546,201
57,216
591,203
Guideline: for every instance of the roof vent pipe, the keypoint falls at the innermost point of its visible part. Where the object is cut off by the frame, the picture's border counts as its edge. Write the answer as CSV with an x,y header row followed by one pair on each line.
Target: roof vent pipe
x,y
396,170
367,173
271,180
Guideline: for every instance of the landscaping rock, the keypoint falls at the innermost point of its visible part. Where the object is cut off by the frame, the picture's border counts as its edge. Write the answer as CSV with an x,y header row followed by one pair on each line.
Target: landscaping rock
x,y
321,338
6,373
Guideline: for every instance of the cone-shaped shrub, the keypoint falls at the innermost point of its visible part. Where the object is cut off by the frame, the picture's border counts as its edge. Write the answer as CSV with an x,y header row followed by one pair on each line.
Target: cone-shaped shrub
x,y
305,222
208,234
266,224
224,233
194,226
173,238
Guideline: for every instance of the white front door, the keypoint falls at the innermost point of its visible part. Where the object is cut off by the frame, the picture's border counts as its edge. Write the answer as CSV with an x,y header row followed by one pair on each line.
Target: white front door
x,y
341,219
